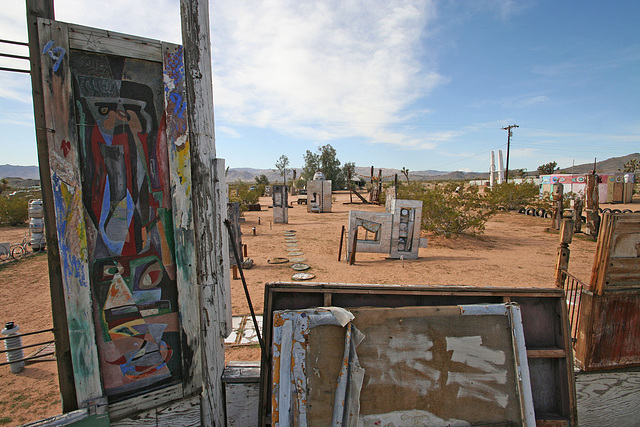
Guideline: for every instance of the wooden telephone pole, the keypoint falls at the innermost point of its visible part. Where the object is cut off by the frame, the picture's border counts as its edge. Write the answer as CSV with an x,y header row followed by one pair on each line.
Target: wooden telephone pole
x,y
508,129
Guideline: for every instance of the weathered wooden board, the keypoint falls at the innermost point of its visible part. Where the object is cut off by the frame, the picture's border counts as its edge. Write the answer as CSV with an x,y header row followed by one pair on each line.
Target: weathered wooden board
x,y
440,364
67,193
175,100
617,260
110,42
242,390
608,398
127,203
609,330
120,170
182,413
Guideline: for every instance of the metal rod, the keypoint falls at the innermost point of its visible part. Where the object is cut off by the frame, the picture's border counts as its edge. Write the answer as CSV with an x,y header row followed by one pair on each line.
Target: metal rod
x,y
29,333
27,346
27,358
14,42
341,239
10,55
15,70
246,290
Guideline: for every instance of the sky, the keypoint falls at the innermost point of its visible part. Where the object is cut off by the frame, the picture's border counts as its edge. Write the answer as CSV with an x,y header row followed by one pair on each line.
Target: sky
x,y
426,85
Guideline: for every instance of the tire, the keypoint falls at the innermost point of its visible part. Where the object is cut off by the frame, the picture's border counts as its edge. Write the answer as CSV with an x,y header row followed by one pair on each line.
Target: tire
x,y
627,211
616,211
606,210
540,212
17,252
521,210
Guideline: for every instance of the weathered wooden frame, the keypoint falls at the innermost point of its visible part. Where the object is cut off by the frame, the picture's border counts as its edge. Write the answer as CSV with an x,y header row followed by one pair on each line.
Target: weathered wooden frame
x,y
544,320
59,121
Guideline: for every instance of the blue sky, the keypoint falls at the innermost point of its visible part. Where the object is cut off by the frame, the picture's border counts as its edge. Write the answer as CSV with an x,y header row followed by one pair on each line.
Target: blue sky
x,y
416,84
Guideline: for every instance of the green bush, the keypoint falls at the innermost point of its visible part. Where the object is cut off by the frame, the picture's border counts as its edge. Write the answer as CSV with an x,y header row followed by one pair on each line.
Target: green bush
x,y
511,196
242,192
449,209
14,210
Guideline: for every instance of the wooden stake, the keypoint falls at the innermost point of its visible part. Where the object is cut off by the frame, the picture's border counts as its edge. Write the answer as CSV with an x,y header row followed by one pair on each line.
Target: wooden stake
x,y
234,268
566,235
352,256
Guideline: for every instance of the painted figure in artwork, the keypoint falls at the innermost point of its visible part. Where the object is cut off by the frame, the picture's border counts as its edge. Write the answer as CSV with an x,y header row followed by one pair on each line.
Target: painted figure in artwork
x,y
127,203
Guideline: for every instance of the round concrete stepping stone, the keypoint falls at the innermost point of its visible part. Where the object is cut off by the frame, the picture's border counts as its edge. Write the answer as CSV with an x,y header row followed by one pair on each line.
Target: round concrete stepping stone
x,y
300,266
297,259
292,249
296,253
291,240
291,245
303,276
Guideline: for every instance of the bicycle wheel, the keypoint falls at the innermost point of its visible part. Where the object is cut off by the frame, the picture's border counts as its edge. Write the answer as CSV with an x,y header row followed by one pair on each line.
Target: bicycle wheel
x,y
17,251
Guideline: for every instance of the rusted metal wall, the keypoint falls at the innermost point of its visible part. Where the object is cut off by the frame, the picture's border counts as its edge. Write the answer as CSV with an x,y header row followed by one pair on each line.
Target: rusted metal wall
x,y
609,330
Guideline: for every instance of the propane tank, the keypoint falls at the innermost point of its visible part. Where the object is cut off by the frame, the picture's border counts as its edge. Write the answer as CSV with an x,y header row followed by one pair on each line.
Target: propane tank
x,y
12,343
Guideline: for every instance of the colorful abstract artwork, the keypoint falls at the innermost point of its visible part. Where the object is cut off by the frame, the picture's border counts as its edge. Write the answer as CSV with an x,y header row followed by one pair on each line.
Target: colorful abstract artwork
x,y
124,161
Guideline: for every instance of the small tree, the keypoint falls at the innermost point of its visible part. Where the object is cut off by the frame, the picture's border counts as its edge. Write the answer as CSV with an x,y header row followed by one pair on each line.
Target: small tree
x,y
349,171
4,185
405,172
547,168
281,166
262,180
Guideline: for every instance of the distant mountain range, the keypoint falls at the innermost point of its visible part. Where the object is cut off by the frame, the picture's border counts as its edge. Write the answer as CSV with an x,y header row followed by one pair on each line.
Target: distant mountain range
x,y
611,165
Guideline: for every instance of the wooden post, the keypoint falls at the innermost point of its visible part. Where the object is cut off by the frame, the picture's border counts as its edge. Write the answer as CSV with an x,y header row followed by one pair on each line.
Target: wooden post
x,y
209,207
556,215
566,234
352,255
592,199
235,272
244,250
44,9
578,205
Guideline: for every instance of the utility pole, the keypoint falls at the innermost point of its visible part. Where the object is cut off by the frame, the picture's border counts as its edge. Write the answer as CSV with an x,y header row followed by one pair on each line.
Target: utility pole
x,y
508,129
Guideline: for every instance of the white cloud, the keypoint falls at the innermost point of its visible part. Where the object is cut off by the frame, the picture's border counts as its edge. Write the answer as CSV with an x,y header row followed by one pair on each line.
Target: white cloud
x,y
321,69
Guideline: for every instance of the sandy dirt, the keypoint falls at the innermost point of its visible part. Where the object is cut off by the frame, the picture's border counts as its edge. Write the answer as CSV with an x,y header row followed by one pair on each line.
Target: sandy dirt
x,y
515,250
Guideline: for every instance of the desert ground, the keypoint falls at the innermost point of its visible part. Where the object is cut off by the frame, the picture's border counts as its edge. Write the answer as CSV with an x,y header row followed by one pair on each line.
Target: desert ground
x,y
515,251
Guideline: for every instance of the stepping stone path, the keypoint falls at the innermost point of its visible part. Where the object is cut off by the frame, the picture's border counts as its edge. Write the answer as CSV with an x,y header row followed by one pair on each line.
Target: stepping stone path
x,y
291,243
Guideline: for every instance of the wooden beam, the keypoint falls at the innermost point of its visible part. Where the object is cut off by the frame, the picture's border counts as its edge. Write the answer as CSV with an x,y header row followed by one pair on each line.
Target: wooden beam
x,y
209,206
44,9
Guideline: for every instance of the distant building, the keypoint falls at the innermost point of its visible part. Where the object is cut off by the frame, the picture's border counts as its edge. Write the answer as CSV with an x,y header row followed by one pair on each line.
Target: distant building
x,y
612,187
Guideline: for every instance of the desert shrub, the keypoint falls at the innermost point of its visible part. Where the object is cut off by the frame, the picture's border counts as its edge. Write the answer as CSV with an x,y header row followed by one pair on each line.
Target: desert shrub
x,y
511,196
14,210
245,194
449,209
